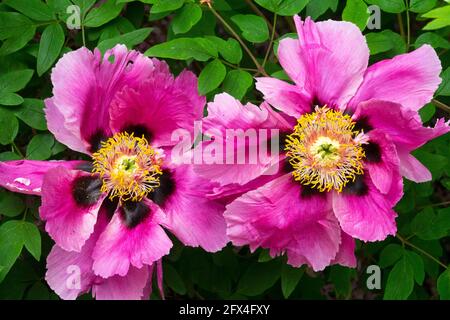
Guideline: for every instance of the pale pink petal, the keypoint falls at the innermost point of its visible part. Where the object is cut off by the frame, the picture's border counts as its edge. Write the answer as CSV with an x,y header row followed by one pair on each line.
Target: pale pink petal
x,y
292,60
129,287
346,254
291,99
70,220
121,247
281,217
190,215
26,176
412,169
68,135
70,274
336,56
240,150
409,79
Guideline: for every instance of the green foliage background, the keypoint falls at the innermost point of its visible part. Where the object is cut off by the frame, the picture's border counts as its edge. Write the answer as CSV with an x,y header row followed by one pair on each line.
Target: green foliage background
x,y
226,47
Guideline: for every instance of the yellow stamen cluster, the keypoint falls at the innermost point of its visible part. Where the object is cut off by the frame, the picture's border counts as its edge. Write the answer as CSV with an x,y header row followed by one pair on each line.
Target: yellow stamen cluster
x,y
324,150
129,167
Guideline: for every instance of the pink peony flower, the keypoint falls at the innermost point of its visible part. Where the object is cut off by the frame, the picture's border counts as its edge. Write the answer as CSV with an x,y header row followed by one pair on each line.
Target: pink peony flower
x,y
106,215
346,134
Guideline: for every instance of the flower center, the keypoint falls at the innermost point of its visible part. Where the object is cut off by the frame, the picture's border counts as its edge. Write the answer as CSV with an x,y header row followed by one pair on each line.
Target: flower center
x,y
129,167
324,150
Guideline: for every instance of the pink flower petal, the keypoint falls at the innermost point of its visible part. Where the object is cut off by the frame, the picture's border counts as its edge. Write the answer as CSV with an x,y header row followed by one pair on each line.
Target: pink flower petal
x,y
70,274
121,247
346,254
280,217
403,126
194,219
164,104
412,169
409,79
293,61
26,176
129,287
368,217
291,99
336,55
84,85
245,157
387,169
68,222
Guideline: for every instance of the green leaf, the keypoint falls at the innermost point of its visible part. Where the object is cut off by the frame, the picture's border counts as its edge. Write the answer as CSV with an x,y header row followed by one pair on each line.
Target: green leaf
x,y
341,278
9,126
129,39
430,226
52,41
384,41
103,14
38,291
316,8
444,88
441,18
237,82
10,99
161,6
173,279
188,17
34,9
421,6
31,239
11,204
230,49
290,278
254,28
432,39
12,24
356,11
283,7
183,49
400,282
211,76
15,81
443,285
391,6
390,255
11,243
32,113
264,256
16,43
14,235
427,112
378,42
9,155
259,277
417,265
40,147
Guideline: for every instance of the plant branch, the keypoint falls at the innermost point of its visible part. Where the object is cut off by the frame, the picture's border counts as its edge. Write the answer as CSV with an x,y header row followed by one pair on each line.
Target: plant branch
x,y
261,14
400,25
441,105
272,37
408,26
406,242
238,38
